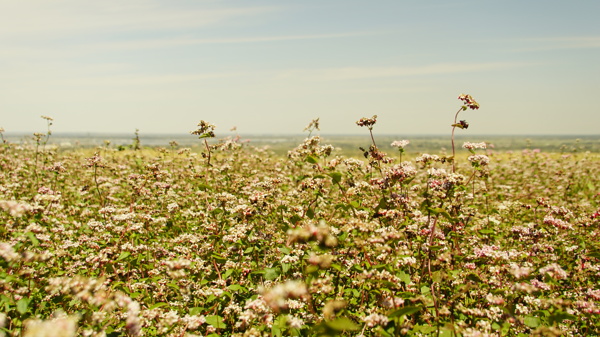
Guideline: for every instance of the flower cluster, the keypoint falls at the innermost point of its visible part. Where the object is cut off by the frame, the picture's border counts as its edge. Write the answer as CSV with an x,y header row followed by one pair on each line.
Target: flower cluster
x,y
469,102
368,122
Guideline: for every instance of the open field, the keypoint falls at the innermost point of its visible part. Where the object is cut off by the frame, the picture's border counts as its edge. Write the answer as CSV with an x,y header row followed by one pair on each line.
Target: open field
x,y
317,241
346,145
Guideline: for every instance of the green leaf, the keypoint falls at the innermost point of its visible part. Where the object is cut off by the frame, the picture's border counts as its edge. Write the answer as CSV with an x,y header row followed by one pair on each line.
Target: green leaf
x,y
237,287
404,277
271,273
123,255
157,305
474,277
215,321
405,311
561,316
594,254
342,324
311,159
195,311
33,239
228,273
23,305
336,177
532,322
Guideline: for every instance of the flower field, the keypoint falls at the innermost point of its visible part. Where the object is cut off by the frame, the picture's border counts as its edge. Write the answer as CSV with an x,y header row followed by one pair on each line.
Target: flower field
x,y
238,241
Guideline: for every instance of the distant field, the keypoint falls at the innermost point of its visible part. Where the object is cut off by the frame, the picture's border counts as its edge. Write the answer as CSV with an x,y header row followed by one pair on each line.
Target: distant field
x,y
347,145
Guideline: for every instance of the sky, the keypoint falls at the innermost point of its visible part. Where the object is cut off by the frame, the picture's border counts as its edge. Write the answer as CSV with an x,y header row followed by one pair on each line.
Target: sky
x,y
272,66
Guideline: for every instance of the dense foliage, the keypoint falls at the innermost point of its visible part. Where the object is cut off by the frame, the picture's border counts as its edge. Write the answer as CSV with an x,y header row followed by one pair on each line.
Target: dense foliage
x,y
241,242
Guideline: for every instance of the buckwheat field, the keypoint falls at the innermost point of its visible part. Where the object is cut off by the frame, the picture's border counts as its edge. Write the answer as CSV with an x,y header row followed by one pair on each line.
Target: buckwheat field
x,y
229,239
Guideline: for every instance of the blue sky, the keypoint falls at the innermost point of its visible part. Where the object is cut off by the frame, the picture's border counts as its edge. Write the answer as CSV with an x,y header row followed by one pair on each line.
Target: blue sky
x,y
273,66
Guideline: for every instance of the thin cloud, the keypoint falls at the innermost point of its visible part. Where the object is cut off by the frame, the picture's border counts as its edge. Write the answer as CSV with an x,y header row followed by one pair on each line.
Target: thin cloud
x,y
163,43
558,43
101,17
354,73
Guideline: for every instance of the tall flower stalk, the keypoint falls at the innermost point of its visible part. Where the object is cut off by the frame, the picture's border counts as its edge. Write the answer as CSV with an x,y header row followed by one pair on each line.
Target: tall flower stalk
x,y
205,130
468,103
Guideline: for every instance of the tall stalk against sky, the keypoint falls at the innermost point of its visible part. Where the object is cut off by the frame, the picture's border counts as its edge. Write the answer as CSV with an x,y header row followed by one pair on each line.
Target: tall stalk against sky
x,y
469,103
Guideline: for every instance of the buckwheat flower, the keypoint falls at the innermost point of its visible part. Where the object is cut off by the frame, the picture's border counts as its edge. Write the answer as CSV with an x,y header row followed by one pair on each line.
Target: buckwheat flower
x,y
402,171
519,272
172,207
14,208
277,297
427,158
368,122
294,322
479,160
400,143
59,326
469,102
392,302
558,223
7,252
594,293
193,322
555,271
205,130
540,285
472,146
375,319
2,324
133,324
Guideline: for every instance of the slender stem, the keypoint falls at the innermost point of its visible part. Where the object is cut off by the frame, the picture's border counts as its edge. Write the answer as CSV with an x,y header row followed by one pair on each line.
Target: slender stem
x,y
372,138
208,150
98,186
453,150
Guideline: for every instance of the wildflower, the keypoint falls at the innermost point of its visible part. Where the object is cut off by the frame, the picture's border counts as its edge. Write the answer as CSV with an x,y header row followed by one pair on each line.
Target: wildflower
x,y
368,122
7,252
427,158
277,297
400,144
469,102
313,125
375,319
205,130
555,271
14,208
472,146
294,322
50,119
479,160
59,326
133,324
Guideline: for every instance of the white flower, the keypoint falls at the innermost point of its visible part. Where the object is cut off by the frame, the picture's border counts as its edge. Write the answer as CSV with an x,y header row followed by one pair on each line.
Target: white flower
x,y
400,143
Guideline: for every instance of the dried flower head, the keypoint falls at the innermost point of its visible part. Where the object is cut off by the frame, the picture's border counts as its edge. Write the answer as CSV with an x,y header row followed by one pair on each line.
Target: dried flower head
x,y
368,122
205,130
462,124
313,125
469,102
